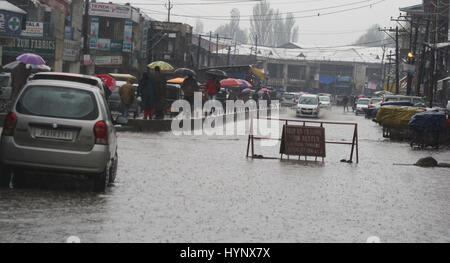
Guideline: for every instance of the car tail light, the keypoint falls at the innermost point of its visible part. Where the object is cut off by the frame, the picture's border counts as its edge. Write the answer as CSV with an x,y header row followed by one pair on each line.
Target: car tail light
x,y
101,133
10,124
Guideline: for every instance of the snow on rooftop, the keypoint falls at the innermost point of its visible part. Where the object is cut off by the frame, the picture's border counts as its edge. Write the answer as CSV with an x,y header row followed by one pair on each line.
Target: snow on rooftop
x,y
356,54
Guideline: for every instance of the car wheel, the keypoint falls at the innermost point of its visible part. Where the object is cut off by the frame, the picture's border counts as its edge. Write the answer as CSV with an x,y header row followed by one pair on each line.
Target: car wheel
x,y
113,169
5,176
101,181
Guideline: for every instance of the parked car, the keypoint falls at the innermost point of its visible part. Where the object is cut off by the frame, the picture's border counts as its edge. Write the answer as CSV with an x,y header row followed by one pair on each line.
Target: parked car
x,y
5,91
416,101
83,79
325,102
308,106
288,100
60,126
375,102
362,105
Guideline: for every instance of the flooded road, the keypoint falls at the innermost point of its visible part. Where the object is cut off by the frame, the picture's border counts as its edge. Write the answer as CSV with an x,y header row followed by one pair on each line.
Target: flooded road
x,y
203,189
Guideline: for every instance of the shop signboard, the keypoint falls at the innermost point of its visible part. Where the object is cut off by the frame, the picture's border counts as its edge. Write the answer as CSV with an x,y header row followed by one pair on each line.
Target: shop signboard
x,y
108,60
45,47
110,10
10,23
33,29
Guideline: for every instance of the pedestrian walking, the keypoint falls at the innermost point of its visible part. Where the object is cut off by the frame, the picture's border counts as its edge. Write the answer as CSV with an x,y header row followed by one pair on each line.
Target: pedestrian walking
x,y
19,77
189,87
345,102
146,91
159,83
127,96
212,88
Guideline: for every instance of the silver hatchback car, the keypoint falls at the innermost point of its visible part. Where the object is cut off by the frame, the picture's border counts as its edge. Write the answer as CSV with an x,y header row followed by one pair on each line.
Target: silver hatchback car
x,y
63,127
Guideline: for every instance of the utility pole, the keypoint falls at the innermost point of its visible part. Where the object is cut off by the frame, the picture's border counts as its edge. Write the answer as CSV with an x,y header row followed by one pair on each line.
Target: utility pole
x,y
383,67
217,51
86,23
422,60
397,63
229,55
169,7
198,50
256,49
209,49
389,71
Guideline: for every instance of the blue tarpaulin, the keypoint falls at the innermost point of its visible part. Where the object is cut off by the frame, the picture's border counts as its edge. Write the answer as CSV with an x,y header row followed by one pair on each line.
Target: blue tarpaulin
x,y
433,121
326,79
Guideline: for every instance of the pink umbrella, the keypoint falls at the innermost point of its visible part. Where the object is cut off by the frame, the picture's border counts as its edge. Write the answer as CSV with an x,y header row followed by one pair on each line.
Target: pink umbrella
x,y
231,83
30,58
264,90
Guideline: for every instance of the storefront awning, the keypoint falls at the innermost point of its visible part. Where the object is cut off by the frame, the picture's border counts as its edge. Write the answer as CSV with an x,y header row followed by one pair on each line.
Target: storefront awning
x,y
7,6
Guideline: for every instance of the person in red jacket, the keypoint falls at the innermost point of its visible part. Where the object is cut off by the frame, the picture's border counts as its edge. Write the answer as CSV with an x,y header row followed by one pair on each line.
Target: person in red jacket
x,y
212,88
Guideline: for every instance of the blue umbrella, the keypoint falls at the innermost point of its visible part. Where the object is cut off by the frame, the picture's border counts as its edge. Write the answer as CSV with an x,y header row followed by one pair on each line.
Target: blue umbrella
x,y
30,58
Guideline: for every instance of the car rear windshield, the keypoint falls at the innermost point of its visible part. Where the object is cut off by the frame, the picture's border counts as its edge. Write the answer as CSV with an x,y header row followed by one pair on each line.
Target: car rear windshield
x,y
289,96
58,102
324,98
363,102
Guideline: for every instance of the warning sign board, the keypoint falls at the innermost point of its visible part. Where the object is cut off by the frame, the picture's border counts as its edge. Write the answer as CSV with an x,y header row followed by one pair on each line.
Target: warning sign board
x,y
303,141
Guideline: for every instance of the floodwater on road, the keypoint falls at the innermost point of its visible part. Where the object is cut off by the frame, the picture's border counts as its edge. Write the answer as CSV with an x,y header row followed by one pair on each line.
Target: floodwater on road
x,y
203,189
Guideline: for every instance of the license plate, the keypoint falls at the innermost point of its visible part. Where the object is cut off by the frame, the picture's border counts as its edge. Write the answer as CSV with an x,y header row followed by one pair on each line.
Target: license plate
x,y
54,134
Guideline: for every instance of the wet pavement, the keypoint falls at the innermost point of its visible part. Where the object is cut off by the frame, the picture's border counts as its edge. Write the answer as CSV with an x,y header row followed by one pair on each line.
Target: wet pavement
x,y
203,189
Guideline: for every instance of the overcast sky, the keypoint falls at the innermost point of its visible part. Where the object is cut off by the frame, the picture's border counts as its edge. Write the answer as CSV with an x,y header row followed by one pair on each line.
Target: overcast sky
x,y
340,28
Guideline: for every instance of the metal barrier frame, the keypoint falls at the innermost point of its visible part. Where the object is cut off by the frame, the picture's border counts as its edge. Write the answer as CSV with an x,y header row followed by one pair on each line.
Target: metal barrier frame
x,y
354,143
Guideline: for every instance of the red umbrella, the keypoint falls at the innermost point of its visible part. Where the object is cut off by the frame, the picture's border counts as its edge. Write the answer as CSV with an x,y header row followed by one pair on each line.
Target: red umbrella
x,y
109,81
231,83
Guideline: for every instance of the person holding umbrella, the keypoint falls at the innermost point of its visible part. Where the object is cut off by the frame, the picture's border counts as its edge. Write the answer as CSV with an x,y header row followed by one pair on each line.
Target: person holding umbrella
x,y
146,91
189,87
212,88
159,83
20,74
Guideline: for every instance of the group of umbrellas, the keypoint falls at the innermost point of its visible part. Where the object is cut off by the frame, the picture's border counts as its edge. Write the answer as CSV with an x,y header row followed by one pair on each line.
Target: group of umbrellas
x,y
245,86
35,62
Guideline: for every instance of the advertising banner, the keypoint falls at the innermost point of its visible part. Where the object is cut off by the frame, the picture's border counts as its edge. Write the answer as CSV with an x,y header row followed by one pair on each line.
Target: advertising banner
x,y
110,10
33,29
93,35
127,36
71,51
144,41
108,60
10,23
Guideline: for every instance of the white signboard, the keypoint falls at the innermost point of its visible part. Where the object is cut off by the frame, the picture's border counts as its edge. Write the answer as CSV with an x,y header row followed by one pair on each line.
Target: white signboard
x,y
71,51
108,60
109,10
34,29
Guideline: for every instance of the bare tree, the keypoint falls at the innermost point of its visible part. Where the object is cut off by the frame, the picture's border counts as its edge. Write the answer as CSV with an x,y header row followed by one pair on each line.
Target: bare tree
x,y
232,30
295,34
269,26
372,38
261,23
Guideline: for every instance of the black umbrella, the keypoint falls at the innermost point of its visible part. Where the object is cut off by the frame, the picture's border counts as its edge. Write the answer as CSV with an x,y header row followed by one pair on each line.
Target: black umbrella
x,y
217,73
183,72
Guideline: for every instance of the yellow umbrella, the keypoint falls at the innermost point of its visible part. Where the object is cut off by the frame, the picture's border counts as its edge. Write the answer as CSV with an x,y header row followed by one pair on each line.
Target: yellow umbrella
x,y
163,66
176,81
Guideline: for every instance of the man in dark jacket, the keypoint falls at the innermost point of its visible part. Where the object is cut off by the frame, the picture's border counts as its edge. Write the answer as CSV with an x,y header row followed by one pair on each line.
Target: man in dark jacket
x,y
159,82
19,77
189,87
